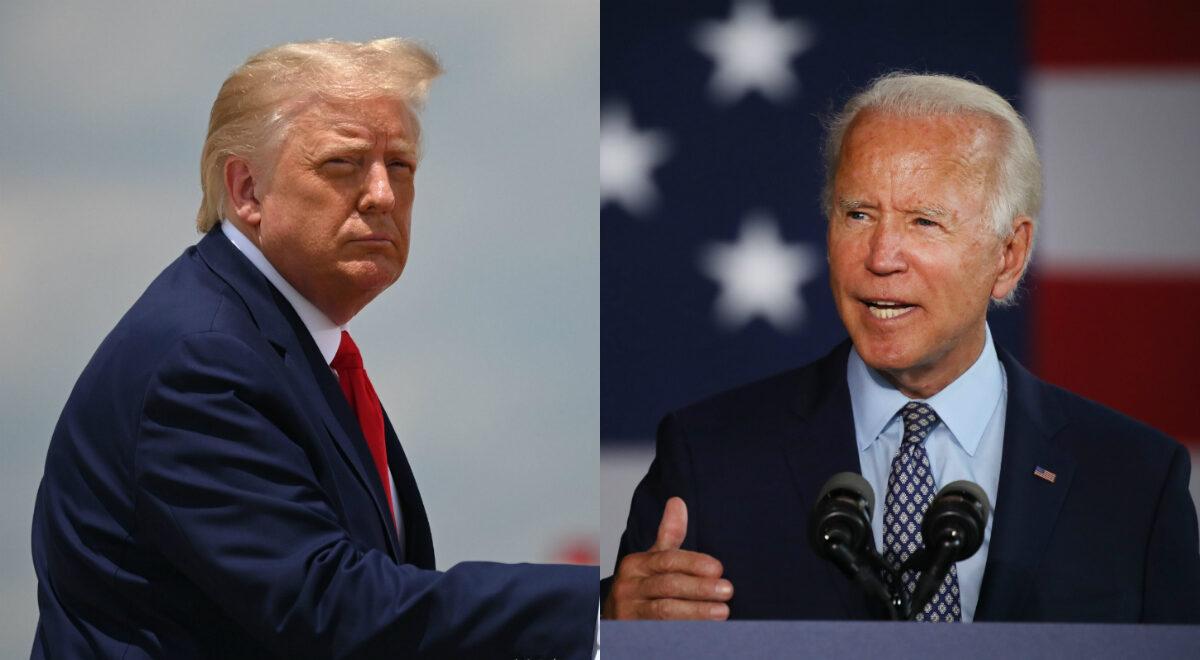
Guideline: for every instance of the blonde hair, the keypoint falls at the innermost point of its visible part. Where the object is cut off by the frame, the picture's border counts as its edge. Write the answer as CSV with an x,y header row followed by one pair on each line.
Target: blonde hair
x,y
1018,188
257,102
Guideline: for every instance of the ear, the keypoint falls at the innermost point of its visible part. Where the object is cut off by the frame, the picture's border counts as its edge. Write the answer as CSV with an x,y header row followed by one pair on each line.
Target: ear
x,y
1014,255
241,193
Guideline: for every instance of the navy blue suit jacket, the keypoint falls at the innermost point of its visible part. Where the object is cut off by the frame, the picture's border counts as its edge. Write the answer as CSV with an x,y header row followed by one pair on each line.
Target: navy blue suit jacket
x,y
1113,539
208,493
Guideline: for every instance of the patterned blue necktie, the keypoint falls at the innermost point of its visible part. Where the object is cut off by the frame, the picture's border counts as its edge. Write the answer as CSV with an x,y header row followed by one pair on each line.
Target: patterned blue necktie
x,y
910,490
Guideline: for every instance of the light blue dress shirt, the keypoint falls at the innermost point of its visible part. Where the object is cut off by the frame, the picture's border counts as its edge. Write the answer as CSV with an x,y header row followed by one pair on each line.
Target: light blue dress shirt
x,y
968,444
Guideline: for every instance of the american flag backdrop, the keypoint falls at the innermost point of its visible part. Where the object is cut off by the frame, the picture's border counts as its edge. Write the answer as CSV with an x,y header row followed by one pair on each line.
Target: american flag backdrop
x,y
713,268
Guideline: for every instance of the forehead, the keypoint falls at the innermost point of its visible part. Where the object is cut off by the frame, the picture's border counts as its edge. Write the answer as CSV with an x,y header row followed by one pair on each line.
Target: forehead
x,y
353,120
960,147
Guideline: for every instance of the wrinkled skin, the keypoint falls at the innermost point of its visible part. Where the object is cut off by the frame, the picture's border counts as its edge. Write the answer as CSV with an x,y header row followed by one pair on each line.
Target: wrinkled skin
x,y
909,225
333,215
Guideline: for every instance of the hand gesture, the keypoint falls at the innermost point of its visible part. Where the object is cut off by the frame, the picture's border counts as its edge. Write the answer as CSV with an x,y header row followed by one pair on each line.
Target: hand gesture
x,y
668,583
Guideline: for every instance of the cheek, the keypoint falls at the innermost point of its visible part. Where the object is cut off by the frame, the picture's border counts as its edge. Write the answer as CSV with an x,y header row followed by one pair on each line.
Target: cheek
x,y
403,210
842,254
306,198
316,192
984,260
968,279
405,194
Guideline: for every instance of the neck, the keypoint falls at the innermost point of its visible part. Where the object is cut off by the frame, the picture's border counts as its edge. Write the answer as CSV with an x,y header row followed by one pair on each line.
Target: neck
x,y
338,309
924,381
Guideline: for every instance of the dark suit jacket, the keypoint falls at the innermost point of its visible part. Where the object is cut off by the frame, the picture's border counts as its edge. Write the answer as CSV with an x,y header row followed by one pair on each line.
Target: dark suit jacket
x,y
1114,538
208,493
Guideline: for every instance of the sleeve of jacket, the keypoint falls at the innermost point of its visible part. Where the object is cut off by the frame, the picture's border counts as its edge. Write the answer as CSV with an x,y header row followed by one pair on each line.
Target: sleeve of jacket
x,y
1172,583
231,499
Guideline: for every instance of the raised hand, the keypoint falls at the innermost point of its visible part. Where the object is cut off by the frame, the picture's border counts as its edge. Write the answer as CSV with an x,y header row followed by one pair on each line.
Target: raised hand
x,y
668,583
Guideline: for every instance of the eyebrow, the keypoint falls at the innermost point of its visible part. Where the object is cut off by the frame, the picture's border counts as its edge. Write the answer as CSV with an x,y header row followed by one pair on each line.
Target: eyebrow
x,y
935,211
847,205
853,204
327,147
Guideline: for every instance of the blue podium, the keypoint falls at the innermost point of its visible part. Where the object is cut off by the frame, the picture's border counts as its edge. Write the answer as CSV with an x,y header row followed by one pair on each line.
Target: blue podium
x,y
833,640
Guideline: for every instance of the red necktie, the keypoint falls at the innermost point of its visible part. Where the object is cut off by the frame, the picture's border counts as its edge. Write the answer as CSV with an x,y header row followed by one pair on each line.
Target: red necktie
x,y
362,398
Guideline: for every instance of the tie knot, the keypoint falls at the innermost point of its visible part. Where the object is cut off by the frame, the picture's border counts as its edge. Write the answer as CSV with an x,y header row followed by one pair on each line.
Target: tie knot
x,y
919,419
347,356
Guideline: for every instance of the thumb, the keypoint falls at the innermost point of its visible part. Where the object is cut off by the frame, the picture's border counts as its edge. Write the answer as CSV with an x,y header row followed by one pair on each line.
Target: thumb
x,y
673,527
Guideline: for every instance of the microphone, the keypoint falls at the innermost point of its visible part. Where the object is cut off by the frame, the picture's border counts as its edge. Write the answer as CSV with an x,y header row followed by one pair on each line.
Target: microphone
x,y
839,530
953,529
841,519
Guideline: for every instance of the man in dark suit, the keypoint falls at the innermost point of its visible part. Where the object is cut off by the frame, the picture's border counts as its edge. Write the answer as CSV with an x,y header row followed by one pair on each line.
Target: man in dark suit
x,y
223,481
932,189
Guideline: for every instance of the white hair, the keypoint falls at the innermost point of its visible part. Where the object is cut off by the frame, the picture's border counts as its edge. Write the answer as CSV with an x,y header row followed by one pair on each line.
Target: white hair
x,y
1018,188
257,102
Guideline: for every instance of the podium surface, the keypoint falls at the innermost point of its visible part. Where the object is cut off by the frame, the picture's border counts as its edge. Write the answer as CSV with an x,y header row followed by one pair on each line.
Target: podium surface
x,y
895,641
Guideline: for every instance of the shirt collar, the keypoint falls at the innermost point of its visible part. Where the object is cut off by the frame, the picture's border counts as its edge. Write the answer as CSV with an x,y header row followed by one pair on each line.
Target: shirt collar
x,y
964,405
325,333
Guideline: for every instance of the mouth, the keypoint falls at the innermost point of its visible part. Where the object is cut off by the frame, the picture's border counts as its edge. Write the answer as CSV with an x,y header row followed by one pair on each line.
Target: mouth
x,y
888,309
373,238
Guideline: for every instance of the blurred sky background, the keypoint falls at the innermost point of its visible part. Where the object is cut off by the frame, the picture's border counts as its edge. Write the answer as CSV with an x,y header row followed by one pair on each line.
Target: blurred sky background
x,y
485,353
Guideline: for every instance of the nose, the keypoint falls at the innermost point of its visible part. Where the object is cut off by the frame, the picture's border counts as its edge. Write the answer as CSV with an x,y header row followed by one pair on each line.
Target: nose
x,y
377,195
885,250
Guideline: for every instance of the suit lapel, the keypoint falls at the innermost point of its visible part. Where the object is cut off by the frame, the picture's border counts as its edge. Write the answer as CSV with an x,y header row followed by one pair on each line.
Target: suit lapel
x,y
281,326
418,542
343,426
1026,506
825,446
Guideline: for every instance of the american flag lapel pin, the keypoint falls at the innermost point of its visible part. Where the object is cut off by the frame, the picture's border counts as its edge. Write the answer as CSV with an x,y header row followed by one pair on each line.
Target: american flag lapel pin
x,y
1042,473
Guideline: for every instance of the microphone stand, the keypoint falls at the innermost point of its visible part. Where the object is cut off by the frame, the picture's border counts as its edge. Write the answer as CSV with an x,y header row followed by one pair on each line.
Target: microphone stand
x,y
890,591
933,573
839,530
868,577
893,597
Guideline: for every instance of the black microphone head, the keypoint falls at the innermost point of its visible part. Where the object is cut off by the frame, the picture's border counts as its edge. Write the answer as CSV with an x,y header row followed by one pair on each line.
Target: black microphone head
x,y
850,483
842,514
959,513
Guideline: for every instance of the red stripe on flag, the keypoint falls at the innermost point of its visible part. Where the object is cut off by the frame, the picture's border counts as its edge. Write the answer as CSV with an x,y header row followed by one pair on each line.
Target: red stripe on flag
x,y
1076,34
1131,342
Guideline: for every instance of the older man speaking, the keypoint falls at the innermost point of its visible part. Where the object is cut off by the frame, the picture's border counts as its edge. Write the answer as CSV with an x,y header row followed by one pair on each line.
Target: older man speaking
x,y
932,191
223,481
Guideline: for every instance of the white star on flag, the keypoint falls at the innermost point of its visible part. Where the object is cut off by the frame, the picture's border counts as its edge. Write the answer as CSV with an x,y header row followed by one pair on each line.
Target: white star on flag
x,y
760,275
753,51
627,157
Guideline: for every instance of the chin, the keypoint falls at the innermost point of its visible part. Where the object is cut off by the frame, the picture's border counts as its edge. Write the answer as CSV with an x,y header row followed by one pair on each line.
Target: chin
x,y
374,276
883,355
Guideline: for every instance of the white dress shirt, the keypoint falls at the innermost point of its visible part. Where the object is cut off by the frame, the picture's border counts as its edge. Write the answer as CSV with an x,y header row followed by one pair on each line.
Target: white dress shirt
x,y
968,444
326,334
